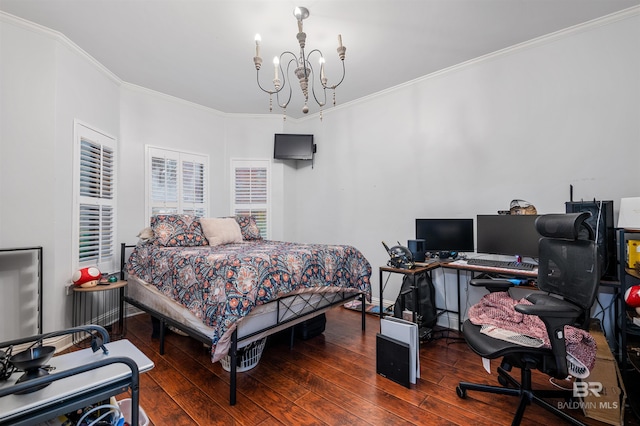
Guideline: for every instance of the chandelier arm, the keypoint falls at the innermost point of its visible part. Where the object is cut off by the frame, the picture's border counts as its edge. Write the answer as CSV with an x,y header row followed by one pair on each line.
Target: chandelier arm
x,y
344,71
313,89
327,86
293,60
271,92
284,105
341,79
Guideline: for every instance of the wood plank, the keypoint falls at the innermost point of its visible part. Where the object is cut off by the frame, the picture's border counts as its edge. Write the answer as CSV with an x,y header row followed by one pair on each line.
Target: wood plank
x,y
327,380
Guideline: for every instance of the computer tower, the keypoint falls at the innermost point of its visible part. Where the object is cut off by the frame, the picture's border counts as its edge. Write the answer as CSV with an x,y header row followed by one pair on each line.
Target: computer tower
x,y
606,238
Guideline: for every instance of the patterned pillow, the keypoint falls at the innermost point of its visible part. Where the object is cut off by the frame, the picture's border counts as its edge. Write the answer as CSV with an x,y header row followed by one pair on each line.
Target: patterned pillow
x,y
177,230
249,228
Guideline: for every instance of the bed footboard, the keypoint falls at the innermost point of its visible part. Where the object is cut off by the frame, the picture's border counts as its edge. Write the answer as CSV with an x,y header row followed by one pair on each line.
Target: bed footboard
x,y
160,322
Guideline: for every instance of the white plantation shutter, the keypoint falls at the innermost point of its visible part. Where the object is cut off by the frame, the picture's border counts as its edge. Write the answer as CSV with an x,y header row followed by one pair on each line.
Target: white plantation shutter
x,y
164,185
176,182
193,187
250,191
95,194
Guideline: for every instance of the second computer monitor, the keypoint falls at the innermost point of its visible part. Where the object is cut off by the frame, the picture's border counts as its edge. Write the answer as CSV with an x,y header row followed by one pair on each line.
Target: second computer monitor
x,y
508,234
453,235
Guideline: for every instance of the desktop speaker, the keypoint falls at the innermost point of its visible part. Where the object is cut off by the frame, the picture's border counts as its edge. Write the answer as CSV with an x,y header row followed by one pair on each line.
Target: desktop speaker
x,y
601,221
416,247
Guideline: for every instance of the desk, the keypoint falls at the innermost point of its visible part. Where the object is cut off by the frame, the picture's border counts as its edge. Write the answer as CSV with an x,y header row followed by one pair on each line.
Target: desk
x,y
518,273
462,265
80,378
413,273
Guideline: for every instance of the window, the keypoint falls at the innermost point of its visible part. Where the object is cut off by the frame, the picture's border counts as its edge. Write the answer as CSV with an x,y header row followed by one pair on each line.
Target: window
x,y
94,195
176,182
250,191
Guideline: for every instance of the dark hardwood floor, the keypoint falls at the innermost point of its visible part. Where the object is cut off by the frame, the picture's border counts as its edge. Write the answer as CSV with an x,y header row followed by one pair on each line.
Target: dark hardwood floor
x,y
329,379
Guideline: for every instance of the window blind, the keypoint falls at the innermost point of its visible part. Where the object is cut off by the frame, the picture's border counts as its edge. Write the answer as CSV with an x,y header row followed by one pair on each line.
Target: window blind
x,y
251,191
95,209
177,182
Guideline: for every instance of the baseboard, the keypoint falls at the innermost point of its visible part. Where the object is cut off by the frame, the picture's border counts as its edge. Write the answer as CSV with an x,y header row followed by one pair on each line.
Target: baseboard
x,y
448,320
60,342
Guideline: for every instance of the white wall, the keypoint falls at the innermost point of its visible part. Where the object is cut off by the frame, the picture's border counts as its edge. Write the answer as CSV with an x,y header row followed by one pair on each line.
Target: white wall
x,y
150,118
524,124
251,137
46,84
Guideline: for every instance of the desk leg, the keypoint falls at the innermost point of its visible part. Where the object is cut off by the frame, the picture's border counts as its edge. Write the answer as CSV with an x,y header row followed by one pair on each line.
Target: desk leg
x,y
381,299
459,310
416,301
121,315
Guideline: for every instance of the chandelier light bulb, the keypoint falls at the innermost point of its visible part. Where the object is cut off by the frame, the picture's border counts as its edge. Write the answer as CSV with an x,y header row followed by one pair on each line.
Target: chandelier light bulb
x,y
322,61
276,63
258,40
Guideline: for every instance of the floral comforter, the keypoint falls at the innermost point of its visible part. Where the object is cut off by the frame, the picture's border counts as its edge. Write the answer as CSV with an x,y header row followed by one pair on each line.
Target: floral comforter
x,y
222,284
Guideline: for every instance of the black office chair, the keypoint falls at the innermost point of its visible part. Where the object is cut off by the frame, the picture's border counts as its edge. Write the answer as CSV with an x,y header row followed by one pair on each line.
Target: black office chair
x,y
568,267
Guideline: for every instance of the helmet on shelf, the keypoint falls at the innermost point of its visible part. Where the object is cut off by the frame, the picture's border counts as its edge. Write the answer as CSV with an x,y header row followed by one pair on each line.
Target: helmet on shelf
x,y
399,257
632,296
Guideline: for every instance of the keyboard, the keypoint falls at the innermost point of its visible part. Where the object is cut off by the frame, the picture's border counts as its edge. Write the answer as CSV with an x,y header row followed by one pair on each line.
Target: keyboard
x,y
491,263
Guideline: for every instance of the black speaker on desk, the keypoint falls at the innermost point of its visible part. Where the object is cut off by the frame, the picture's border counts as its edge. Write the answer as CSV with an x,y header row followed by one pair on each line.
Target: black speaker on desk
x,y
416,247
601,221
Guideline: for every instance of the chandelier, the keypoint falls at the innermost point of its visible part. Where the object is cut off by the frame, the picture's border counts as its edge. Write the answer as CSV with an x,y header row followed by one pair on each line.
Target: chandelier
x,y
303,70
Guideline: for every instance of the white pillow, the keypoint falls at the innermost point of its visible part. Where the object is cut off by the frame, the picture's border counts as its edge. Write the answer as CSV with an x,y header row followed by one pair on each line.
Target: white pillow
x,y
221,230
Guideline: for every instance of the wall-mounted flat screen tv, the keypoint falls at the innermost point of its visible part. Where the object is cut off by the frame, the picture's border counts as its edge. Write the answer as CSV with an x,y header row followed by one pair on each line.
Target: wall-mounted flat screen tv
x,y
288,146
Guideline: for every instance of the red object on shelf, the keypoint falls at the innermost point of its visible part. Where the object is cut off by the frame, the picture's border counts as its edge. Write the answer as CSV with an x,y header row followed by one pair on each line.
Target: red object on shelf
x,y
632,296
86,277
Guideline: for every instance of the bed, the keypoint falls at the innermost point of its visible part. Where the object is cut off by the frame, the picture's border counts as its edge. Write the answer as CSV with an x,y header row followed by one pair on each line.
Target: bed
x,y
217,280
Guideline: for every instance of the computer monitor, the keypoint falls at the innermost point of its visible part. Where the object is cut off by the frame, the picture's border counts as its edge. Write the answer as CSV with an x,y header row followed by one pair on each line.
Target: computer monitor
x,y
446,234
508,235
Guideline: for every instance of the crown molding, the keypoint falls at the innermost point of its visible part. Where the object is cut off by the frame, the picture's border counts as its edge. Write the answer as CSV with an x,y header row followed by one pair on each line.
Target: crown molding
x,y
547,38
605,20
62,39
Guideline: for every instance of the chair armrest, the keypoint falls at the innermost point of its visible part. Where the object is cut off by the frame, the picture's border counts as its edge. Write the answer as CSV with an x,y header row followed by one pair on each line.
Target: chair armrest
x,y
491,284
546,311
555,317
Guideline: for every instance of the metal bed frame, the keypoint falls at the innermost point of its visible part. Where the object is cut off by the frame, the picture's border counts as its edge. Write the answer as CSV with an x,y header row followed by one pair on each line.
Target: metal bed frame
x,y
160,321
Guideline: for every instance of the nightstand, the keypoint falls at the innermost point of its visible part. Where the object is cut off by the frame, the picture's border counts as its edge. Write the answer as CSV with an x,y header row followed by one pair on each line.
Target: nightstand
x,y
102,305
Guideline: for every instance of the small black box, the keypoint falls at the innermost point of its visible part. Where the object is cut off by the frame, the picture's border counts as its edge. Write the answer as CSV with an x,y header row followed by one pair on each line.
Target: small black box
x,y
311,327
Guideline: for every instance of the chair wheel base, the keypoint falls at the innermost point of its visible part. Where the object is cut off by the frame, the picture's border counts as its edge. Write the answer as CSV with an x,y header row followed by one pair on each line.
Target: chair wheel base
x,y
462,393
504,382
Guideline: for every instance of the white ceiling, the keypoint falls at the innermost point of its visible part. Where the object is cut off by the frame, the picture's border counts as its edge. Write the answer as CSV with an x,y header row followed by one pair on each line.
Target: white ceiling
x,y
202,50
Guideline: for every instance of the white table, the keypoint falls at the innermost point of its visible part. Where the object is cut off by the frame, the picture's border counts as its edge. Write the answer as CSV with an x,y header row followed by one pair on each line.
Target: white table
x,y
91,377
